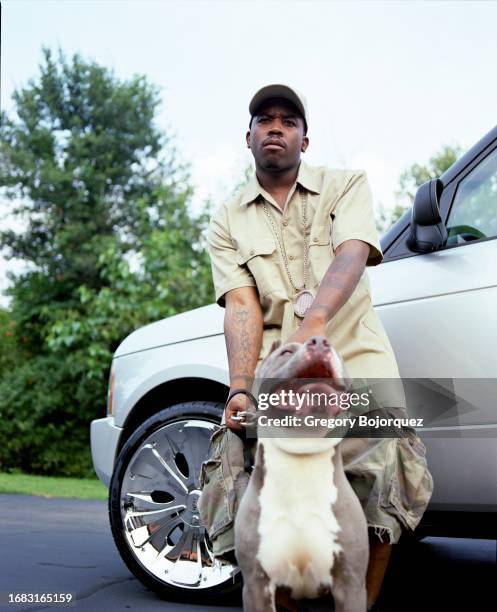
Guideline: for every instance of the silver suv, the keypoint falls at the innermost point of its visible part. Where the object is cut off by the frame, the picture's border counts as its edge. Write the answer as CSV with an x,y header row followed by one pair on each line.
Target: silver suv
x,y
436,294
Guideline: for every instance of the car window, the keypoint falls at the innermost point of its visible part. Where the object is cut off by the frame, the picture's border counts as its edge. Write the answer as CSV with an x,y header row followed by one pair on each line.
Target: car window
x,y
473,214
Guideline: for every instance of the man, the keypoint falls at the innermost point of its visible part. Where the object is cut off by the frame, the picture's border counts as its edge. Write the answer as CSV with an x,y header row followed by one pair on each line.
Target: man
x,y
288,257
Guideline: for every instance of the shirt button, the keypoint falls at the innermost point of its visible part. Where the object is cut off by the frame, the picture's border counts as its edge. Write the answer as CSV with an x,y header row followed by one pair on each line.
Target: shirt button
x,y
291,257
315,238
252,252
285,222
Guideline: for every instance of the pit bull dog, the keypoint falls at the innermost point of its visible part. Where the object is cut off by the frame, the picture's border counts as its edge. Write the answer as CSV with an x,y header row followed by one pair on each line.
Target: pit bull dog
x,y
300,529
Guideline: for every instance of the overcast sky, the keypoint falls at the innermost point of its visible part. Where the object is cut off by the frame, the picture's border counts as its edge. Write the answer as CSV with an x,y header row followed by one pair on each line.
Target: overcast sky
x,y
387,83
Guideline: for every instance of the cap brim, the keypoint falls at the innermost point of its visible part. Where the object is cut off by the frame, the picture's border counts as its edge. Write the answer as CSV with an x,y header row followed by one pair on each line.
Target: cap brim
x,y
276,91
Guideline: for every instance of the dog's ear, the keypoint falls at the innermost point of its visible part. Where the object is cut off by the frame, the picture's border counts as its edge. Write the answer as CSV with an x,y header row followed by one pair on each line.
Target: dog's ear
x,y
276,344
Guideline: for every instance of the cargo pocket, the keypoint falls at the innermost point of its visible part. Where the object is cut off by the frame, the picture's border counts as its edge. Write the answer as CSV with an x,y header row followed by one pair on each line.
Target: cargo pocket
x,y
409,484
259,257
223,481
213,503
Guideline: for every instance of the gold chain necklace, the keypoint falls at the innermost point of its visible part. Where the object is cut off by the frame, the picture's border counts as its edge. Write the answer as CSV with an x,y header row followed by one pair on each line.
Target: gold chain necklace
x,y
303,298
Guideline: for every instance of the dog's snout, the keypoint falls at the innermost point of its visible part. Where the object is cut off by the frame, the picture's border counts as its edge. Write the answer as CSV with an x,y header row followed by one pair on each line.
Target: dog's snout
x,y
318,342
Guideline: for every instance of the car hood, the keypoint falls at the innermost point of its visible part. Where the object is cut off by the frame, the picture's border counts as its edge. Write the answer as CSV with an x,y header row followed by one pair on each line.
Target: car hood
x,y
198,323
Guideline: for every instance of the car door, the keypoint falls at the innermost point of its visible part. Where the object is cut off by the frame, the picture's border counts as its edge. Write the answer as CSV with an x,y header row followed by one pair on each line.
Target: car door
x,y
440,312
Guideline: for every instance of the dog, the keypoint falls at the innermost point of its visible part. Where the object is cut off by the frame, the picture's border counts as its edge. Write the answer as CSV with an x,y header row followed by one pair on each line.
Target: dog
x,y
300,530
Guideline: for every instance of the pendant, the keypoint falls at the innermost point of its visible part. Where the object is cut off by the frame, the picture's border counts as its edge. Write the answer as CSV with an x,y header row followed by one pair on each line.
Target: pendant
x,y
302,301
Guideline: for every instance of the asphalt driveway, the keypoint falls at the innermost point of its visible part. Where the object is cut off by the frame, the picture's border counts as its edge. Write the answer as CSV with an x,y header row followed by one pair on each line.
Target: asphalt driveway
x,y
64,545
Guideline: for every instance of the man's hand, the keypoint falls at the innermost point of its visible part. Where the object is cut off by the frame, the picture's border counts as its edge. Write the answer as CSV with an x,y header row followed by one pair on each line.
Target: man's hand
x,y
239,403
307,330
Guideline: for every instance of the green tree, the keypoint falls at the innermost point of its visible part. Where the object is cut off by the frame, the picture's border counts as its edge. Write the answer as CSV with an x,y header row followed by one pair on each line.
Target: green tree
x,y
80,155
174,276
386,217
9,350
411,179
109,244
417,174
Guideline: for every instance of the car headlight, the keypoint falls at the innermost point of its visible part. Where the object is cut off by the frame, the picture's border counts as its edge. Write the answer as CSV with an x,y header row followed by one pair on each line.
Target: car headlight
x,y
110,391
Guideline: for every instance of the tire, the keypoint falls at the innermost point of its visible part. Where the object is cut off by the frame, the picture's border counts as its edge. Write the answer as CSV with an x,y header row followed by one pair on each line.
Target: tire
x,y
156,476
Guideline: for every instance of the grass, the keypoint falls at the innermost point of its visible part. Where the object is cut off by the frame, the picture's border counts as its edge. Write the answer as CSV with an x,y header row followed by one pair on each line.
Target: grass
x,y
52,486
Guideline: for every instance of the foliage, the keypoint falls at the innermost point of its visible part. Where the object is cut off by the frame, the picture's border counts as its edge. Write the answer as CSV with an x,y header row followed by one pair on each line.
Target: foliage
x,y
109,244
418,174
174,277
412,178
385,217
80,156
44,417
9,350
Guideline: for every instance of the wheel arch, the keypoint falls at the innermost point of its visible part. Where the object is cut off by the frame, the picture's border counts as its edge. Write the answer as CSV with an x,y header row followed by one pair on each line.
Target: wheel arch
x,y
167,394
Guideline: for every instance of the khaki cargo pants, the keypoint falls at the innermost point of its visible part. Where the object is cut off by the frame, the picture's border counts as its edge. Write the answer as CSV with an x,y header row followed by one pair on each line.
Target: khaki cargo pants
x,y
389,476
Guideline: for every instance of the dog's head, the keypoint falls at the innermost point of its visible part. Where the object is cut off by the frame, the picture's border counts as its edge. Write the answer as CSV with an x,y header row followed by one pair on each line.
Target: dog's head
x,y
304,380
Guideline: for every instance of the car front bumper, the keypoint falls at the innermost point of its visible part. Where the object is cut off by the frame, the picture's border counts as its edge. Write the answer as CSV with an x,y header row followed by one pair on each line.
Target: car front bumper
x,y
104,440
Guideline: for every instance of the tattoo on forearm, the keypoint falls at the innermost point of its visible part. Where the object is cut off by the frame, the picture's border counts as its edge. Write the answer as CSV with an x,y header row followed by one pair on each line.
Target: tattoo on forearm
x,y
345,267
339,282
343,263
243,328
334,283
243,333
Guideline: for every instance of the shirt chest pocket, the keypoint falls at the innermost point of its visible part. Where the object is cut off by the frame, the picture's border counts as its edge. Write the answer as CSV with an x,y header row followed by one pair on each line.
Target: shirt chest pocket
x,y
260,258
320,251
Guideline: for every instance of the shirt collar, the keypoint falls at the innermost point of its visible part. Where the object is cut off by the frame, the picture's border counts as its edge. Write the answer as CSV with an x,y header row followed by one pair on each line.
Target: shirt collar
x,y
305,178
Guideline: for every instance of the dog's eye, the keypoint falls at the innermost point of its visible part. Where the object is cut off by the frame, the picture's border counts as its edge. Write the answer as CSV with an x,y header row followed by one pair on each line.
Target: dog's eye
x,y
286,351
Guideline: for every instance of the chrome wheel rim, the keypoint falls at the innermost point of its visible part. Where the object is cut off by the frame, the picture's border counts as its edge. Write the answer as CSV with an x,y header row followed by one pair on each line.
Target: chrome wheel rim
x,y
159,507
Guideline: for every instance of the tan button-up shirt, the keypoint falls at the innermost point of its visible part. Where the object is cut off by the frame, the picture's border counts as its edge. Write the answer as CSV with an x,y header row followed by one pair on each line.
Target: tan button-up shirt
x,y
245,252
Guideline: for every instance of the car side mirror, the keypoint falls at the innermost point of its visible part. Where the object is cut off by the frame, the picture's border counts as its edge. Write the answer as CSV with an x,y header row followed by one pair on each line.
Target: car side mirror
x,y
428,232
